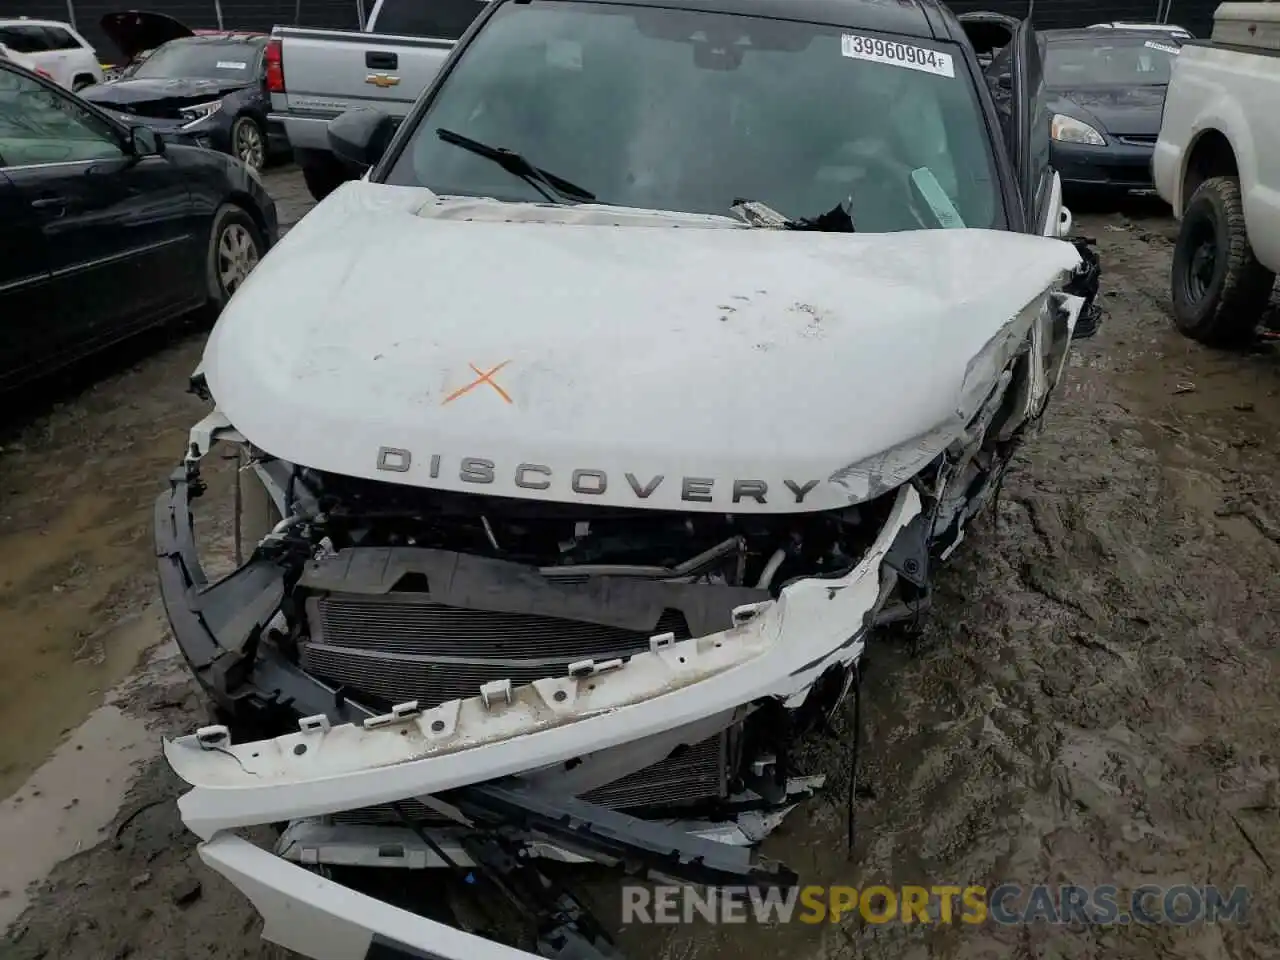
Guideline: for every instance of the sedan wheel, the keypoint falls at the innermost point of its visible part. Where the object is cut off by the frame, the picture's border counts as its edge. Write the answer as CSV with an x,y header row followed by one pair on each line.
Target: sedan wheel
x,y
237,256
235,247
247,143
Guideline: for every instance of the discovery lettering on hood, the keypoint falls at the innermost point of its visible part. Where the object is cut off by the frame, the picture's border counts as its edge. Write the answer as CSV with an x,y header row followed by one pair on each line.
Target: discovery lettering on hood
x,y
589,482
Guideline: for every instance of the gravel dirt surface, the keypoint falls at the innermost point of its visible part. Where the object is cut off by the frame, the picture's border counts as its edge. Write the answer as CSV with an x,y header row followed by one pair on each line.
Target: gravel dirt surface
x,y
1092,700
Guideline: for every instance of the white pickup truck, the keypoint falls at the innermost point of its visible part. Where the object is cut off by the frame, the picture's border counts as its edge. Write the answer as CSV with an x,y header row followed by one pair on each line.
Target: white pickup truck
x,y
1217,163
314,75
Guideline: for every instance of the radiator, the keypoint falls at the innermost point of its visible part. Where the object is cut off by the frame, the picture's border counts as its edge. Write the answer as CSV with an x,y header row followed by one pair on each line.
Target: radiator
x,y
402,646
697,773
392,648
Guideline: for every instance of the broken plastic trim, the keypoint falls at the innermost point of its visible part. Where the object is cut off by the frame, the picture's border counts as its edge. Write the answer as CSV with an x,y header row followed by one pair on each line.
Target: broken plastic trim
x,y
319,841
219,626
653,850
1085,282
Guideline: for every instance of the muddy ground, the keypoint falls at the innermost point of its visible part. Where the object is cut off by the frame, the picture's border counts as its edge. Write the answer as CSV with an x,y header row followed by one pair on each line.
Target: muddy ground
x,y
1093,699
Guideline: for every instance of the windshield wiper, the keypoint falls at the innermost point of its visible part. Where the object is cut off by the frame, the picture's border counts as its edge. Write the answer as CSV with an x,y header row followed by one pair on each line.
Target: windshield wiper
x,y
555,189
757,214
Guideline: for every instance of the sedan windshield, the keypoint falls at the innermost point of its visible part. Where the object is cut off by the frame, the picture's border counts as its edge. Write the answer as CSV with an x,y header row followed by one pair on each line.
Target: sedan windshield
x,y
200,60
1109,62
667,109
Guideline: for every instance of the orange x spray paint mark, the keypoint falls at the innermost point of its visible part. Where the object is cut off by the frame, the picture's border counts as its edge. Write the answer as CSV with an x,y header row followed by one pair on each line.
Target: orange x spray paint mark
x,y
481,377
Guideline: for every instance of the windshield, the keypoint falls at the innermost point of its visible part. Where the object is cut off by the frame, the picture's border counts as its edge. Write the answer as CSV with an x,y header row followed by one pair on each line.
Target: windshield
x,y
673,110
1109,62
202,60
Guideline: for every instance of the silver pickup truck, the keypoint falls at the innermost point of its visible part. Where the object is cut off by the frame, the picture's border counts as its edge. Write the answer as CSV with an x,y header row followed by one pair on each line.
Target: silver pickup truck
x,y
314,75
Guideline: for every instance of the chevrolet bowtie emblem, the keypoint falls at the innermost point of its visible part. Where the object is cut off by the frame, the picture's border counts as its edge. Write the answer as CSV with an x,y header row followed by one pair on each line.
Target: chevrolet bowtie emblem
x,y
382,80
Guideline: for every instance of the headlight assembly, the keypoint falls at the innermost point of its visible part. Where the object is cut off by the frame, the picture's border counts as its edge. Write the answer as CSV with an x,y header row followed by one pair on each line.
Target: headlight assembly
x,y
1070,130
199,113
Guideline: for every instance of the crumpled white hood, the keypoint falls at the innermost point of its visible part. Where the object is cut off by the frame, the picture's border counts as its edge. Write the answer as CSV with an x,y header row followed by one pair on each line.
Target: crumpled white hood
x,y
654,354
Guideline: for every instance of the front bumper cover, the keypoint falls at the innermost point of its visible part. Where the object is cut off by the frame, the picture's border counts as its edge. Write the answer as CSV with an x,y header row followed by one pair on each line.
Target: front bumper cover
x,y
1117,165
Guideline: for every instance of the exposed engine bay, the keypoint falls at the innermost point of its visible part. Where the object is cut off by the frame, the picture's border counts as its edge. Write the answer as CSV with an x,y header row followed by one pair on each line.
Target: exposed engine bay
x,y
395,595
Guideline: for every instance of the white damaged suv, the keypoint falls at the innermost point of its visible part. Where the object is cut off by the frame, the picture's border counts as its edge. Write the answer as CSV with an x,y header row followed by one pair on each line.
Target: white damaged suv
x,y
663,352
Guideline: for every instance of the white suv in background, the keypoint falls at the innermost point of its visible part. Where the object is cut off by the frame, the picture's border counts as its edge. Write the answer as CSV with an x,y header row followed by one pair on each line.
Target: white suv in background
x,y
51,48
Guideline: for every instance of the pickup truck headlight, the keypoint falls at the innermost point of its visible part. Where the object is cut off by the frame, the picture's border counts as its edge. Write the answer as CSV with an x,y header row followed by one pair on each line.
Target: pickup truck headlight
x,y
199,113
1070,130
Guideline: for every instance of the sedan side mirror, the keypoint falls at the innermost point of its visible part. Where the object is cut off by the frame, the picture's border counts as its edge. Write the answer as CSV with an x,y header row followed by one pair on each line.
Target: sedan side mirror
x,y
145,142
360,137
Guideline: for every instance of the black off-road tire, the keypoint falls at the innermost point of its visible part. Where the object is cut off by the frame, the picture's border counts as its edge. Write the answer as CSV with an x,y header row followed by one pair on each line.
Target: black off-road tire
x,y
81,82
1219,288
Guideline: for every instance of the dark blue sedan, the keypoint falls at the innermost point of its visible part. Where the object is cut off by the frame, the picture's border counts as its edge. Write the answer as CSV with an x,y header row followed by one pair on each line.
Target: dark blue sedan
x,y
206,89
1106,94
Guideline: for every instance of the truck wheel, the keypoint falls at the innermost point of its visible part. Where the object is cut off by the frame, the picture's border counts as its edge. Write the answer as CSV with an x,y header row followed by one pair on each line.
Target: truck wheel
x,y
1219,289
323,174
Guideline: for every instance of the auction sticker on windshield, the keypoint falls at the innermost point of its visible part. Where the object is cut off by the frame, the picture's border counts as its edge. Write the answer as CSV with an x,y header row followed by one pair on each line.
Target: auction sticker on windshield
x,y
231,64
897,54
1163,47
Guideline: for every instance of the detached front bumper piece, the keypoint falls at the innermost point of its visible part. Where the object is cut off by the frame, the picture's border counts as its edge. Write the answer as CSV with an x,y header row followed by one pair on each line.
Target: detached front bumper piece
x,y
324,920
